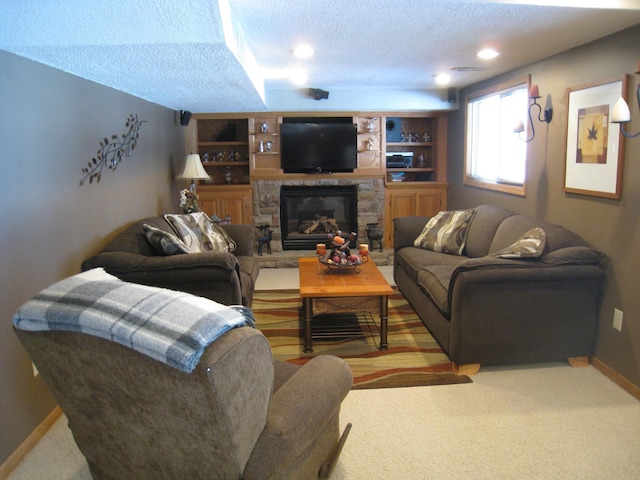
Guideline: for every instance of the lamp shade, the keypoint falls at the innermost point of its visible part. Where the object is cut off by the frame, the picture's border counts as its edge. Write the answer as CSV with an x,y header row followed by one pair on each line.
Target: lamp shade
x,y
519,127
620,112
193,169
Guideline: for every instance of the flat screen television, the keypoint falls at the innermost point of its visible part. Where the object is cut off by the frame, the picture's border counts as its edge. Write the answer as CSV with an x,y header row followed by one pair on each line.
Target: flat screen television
x,y
318,145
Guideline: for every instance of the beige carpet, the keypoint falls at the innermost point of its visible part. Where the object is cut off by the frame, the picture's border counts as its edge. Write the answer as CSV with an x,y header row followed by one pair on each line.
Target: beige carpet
x,y
413,358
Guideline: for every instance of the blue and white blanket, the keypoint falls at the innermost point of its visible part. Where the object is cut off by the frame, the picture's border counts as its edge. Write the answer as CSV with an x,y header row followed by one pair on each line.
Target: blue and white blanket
x,y
169,326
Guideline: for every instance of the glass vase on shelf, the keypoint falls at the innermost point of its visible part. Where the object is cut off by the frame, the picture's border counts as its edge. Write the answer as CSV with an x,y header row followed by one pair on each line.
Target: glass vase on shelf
x,y
228,175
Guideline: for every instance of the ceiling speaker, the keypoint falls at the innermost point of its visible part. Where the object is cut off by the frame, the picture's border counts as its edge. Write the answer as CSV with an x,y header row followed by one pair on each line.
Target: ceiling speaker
x,y
452,95
184,117
318,94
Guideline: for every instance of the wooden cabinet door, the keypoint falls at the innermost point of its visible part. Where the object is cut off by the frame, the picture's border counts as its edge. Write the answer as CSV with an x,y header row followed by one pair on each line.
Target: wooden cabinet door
x,y
234,206
430,203
228,200
210,205
403,202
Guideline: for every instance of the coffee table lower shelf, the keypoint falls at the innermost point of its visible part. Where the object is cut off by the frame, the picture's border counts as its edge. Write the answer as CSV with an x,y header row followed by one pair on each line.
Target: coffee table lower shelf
x,y
330,326
342,317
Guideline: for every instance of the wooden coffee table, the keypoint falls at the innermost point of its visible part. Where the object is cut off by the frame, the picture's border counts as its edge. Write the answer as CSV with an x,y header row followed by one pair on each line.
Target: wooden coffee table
x,y
325,291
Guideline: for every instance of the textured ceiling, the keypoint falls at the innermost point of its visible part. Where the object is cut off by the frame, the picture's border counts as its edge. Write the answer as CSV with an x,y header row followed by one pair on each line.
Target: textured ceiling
x,y
176,53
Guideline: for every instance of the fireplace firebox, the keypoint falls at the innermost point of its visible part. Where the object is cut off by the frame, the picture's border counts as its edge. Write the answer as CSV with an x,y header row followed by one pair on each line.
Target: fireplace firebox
x,y
308,214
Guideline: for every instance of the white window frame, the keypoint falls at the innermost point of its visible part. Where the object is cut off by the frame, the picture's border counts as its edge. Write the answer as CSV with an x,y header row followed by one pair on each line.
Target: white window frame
x,y
502,135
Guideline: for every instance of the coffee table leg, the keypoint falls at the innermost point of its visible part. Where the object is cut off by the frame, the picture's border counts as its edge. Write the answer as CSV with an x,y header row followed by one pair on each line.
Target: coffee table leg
x,y
307,325
384,317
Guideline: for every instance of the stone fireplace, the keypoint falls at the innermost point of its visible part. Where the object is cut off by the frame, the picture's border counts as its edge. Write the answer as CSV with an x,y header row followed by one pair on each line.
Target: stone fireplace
x,y
309,213
289,206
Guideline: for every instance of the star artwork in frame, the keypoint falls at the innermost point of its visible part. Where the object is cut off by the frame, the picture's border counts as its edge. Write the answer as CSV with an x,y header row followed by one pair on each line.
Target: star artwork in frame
x,y
592,134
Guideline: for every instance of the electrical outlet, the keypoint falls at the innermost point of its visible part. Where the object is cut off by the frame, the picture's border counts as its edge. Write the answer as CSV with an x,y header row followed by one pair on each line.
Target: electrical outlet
x,y
617,319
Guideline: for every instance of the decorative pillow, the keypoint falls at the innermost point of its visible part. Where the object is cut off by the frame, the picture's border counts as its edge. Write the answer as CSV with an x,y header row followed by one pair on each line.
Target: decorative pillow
x,y
529,245
199,232
165,243
217,236
446,232
188,230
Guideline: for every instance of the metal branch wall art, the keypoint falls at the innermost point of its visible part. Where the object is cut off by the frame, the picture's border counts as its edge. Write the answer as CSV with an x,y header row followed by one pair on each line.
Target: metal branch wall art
x,y
112,152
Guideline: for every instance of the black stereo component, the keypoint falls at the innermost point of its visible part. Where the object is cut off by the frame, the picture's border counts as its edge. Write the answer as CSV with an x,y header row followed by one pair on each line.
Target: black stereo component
x,y
399,159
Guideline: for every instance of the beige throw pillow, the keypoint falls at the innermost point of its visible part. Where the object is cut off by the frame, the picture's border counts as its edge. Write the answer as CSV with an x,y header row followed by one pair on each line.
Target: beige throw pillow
x,y
446,232
199,232
529,245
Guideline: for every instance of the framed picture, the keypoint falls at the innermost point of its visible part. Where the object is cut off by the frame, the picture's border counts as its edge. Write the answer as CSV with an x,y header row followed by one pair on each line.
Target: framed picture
x,y
595,147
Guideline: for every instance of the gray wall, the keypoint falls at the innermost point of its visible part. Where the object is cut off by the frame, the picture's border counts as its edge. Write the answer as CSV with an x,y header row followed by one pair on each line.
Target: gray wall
x,y
50,127
612,226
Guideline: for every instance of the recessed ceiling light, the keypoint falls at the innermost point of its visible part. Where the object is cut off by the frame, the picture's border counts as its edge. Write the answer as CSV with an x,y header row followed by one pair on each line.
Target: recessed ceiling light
x,y
443,78
488,54
303,51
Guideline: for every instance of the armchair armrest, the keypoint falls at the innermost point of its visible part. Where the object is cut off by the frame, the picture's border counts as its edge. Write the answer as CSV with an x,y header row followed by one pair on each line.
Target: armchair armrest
x,y
299,409
406,230
243,235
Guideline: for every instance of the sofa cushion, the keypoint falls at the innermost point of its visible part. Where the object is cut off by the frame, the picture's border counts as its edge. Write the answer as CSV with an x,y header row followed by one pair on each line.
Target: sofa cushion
x,y
529,245
435,281
413,259
199,232
446,232
165,243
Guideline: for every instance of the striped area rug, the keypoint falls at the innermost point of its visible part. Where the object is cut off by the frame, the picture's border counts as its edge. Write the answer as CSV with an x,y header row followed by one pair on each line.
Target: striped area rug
x,y
414,358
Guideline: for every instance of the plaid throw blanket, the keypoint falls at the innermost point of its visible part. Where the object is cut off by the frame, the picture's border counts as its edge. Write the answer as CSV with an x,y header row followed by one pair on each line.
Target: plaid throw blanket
x,y
172,327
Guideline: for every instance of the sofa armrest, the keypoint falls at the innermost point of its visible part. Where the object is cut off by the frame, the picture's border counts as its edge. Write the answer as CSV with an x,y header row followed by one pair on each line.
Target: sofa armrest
x,y
406,230
299,410
125,262
243,235
522,310
212,275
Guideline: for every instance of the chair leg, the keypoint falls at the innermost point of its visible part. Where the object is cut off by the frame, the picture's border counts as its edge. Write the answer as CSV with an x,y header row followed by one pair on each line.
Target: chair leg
x,y
327,469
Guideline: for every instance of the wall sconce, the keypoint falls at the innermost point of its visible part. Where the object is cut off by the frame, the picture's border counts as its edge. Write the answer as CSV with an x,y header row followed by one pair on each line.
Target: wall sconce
x,y
193,170
534,95
621,113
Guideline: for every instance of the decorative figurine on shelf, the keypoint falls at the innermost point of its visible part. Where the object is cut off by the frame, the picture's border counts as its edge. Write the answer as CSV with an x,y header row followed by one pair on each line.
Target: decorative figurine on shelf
x,y
371,124
370,143
264,238
264,127
228,175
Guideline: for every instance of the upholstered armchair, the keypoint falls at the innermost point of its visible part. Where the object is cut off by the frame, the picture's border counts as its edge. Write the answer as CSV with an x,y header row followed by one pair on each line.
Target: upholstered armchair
x,y
237,414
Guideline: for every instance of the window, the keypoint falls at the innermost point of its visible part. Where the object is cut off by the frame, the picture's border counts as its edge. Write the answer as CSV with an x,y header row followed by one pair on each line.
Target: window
x,y
496,157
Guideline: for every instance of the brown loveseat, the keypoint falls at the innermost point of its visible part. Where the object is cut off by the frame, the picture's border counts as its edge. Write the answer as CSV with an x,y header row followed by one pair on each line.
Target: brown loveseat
x,y
227,278
484,309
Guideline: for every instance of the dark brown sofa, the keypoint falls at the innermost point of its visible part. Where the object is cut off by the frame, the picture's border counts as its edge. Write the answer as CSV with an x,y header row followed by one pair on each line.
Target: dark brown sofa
x,y
488,310
227,278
